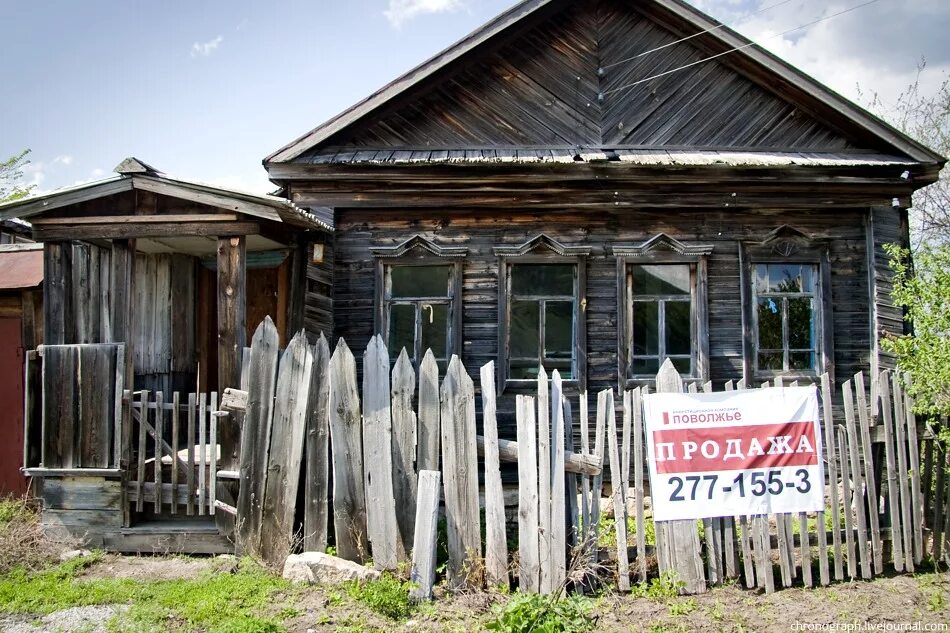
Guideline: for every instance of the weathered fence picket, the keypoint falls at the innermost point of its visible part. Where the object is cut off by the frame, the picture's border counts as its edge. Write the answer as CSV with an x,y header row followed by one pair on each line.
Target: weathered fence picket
x,y
404,448
422,572
529,564
460,472
317,453
544,482
496,546
346,438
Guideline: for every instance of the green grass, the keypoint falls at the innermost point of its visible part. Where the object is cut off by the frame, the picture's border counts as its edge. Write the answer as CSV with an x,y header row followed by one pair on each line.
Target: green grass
x,y
534,613
221,603
387,596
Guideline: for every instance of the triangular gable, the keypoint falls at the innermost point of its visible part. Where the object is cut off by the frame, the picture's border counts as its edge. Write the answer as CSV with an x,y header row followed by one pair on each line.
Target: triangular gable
x,y
553,73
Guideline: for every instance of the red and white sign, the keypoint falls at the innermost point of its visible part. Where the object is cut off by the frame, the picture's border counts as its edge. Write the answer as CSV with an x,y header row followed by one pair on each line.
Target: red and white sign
x,y
734,453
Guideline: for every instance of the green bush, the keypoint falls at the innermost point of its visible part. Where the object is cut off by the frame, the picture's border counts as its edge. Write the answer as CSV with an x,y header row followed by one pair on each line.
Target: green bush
x,y
533,613
387,596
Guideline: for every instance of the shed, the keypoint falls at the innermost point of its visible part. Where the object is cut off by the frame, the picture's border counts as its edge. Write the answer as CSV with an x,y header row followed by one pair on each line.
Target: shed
x,y
21,302
151,285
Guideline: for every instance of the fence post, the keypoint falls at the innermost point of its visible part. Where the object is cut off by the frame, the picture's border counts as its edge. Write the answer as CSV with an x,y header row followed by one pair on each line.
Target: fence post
x,y
685,558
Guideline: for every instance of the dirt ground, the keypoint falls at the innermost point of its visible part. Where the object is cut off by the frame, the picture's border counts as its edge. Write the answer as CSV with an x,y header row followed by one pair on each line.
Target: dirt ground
x,y
889,601
895,600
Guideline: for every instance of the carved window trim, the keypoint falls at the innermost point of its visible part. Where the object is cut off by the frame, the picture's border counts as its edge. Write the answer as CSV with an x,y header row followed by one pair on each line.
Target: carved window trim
x,y
787,245
419,251
542,249
663,249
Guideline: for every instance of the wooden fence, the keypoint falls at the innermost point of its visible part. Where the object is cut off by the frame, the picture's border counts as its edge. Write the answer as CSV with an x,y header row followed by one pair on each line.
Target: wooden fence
x,y
171,475
887,492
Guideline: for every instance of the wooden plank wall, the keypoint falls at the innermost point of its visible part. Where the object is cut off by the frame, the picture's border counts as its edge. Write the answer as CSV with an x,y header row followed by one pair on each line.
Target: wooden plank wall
x,y
541,87
318,307
164,313
480,231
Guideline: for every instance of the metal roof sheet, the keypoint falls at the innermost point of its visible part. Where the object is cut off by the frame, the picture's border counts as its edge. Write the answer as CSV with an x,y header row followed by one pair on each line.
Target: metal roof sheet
x,y
21,268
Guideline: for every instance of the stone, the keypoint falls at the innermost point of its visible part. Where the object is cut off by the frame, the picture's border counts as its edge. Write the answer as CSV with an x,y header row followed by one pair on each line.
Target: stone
x,y
74,553
317,567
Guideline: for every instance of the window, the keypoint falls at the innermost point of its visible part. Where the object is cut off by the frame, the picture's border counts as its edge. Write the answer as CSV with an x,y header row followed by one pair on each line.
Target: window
x,y
661,318
661,298
785,315
786,306
542,325
417,310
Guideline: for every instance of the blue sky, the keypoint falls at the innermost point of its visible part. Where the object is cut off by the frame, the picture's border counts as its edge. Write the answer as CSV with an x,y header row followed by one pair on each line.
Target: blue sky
x,y
205,89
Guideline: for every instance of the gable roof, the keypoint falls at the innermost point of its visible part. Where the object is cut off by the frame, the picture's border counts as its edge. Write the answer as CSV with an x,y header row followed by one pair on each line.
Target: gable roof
x,y
823,114
261,206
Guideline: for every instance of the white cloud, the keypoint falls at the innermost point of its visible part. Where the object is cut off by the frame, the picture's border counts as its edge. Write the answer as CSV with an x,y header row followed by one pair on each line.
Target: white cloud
x,y
401,11
203,49
64,159
872,49
98,172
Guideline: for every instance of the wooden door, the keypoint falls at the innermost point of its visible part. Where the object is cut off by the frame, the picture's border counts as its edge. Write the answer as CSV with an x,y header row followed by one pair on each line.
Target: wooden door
x,y
12,481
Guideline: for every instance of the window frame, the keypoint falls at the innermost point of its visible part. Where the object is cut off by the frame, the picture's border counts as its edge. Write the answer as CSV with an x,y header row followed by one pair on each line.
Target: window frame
x,y
553,253
660,250
419,252
787,245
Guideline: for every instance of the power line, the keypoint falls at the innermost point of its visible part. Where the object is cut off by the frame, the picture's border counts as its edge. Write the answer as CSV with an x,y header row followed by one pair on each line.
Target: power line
x,y
733,50
697,34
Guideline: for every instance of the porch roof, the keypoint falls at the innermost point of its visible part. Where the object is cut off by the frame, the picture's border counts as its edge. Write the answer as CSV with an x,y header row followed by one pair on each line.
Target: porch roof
x,y
134,175
21,266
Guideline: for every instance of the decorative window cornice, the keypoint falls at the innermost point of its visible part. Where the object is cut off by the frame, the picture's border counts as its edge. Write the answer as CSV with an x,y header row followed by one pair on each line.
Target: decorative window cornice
x,y
786,241
417,241
661,243
542,240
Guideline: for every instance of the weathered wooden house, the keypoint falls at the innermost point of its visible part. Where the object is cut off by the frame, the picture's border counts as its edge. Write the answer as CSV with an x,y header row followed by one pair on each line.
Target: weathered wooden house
x,y
596,185
591,185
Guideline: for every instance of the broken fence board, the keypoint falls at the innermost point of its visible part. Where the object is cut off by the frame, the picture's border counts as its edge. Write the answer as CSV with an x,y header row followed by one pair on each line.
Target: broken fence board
x,y
558,562
429,433
544,481
422,572
623,565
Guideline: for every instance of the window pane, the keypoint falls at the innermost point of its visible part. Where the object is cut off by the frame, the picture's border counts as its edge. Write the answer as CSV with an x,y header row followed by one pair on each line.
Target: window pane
x,y
523,370
542,279
808,278
435,328
523,339
770,324
559,329
646,328
660,279
562,366
801,360
770,360
420,281
785,278
678,338
402,329
644,366
683,365
800,324
762,278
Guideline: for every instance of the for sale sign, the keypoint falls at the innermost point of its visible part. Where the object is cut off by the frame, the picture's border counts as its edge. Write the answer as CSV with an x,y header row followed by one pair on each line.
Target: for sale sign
x,y
734,453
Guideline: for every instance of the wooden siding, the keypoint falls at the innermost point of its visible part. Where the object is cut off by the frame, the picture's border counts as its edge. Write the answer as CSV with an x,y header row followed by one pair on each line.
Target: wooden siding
x,y
480,231
318,309
886,228
541,87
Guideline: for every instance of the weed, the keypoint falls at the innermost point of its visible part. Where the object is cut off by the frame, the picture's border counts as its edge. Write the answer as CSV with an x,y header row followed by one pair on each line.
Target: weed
x,y
387,596
682,607
534,613
663,588
717,613
21,537
936,602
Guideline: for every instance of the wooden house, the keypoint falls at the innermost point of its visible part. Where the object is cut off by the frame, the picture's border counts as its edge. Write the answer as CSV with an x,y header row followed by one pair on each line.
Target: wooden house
x,y
597,185
151,285
589,185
